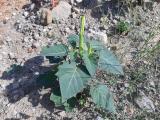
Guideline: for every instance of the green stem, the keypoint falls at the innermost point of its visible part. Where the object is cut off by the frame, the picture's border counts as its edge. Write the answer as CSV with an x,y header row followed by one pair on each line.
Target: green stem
x,y
81,36
89,49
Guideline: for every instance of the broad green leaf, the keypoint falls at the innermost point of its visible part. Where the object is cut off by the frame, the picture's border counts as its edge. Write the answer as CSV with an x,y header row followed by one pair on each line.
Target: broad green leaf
x,y
90,63
73,40
96,45
55,50
108,62
102,97
72,79
56,97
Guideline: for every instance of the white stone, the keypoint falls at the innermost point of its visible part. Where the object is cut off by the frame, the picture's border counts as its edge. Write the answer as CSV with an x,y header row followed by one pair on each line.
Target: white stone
x,y
11,55
62,11
147,1
99,118
62,114
36,73
32,6
126,85
25,39
79,1
13,13
25,14
152,83
115,21
72,2
101,35
67,30
77,10
74,15
8,39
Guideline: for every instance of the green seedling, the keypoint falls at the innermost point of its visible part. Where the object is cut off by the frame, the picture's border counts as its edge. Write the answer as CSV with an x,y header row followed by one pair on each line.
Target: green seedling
x,y
122,27
76,73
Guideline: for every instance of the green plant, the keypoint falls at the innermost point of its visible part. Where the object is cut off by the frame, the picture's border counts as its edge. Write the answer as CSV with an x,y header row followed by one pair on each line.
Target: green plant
x,y
77,72
122,26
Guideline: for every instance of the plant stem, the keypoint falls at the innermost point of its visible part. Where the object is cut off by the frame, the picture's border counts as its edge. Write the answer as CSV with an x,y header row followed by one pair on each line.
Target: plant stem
x,y
89,49
81,36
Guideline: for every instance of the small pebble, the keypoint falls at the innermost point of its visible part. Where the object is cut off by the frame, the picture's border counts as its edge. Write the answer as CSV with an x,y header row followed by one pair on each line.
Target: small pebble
x,y
79,1
25,14
36,73
35,45
11,55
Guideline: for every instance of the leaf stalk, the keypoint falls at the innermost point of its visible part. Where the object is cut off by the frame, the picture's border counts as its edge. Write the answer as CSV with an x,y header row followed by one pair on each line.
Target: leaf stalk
x,y
81,36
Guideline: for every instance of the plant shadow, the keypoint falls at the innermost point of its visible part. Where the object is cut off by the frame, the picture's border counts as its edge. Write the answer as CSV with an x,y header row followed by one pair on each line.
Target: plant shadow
x,y
31,80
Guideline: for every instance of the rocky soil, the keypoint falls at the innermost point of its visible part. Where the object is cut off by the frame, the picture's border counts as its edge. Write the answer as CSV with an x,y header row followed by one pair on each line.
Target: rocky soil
x,y
27,26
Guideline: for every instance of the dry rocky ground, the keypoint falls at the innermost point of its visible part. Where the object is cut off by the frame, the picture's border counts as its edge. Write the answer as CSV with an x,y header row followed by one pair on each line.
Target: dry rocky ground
x,y
27,26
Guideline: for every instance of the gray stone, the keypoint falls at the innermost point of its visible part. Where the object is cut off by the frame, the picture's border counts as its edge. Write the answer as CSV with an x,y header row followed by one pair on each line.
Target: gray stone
x,y
128,56
145,103
8,39
35,44
62,11
138,34
32,6
25,39
99,118
36,36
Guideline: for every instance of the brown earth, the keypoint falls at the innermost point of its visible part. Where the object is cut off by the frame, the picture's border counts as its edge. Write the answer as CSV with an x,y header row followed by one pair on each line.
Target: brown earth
x,y
8,6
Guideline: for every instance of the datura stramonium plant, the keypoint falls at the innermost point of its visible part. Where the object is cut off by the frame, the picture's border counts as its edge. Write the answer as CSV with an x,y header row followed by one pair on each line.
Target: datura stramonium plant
x,y
77,73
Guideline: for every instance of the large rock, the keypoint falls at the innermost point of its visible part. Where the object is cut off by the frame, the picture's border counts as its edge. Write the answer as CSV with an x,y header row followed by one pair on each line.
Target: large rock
x,y
46,16
145,103
62,11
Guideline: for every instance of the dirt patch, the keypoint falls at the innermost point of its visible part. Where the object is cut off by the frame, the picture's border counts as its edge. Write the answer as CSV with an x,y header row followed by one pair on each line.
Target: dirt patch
x,y
7,7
